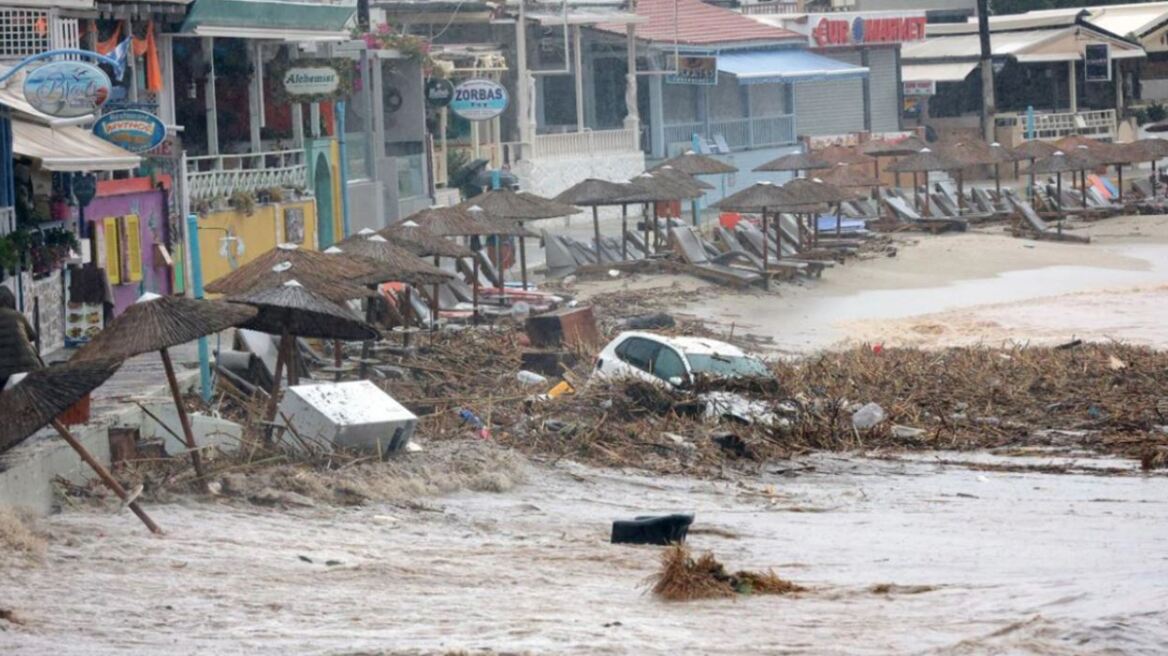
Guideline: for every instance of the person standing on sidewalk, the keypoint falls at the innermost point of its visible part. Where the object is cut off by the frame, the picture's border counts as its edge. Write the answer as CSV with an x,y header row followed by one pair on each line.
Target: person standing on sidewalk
x,y
17,353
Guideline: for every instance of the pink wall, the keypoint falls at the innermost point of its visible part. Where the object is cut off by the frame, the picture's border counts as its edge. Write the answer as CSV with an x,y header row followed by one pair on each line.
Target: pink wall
x,y
150,206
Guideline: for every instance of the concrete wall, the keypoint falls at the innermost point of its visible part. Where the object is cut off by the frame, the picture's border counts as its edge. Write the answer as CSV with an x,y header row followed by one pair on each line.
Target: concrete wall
x,y
260,232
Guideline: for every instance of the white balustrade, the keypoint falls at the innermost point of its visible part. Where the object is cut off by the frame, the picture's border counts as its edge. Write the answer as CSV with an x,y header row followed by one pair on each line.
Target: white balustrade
x,y
586,142
739,133
210,176
1098,124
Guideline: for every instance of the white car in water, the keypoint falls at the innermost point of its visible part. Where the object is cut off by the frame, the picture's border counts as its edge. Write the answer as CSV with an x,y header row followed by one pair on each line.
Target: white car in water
x,y
675,361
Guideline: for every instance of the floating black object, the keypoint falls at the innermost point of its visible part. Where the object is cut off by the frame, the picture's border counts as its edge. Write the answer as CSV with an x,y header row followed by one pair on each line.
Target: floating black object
x,y
660,529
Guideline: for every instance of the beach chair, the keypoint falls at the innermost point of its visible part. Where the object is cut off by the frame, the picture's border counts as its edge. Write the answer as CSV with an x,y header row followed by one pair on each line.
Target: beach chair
x,y
688,246
906,213
751,238
1039,228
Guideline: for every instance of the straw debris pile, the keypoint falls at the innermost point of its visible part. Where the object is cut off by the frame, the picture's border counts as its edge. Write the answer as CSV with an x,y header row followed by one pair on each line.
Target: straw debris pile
x,y
685,578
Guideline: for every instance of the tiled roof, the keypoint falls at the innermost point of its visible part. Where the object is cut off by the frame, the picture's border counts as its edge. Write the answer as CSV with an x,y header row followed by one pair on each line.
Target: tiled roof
x,y
701,24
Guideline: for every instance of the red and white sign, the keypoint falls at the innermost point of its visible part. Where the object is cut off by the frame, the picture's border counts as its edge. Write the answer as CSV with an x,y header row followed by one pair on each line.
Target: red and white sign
x,y
920,88
852,29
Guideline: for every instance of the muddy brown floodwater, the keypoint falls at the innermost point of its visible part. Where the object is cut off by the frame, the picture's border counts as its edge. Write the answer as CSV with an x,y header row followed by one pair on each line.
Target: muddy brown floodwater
x,y
900,555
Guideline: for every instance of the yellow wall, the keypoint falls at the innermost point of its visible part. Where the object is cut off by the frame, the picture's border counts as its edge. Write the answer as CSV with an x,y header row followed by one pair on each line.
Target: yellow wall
x,y
261,231
338,215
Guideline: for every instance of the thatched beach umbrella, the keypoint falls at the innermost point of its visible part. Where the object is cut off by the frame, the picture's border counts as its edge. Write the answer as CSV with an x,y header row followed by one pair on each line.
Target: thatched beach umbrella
x,y
849,176
696,164
292,310
517,206
291,258
43,394
923,162
970,153
1148,150
652,188
815,191
389,262
422,242
842,155
685,181
156,323
794,162
760,197
1057,163
891,148
593,193
1032,151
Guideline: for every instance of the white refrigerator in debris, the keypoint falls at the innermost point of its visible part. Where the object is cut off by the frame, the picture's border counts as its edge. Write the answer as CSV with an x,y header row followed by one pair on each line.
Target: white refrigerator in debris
x,y
355,416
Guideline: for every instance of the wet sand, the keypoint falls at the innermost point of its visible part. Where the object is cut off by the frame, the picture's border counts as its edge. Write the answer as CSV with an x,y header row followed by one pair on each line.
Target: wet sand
x,y
977,562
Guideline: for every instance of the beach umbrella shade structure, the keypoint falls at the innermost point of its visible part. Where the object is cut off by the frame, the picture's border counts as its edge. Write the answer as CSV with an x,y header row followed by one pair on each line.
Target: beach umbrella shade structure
x,y
697,164
794,162
388,261
287,262
924,161
157,323
1148,150
652,188
686,181
891,148
843,155
812,192
595,193
292,310
849,176
1057,163
423,243
518,206
463,222
1032,151
43,394
760,197
968,154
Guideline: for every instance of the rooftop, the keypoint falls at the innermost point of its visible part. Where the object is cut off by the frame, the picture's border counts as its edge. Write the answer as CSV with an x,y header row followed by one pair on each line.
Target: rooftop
x,y
695,23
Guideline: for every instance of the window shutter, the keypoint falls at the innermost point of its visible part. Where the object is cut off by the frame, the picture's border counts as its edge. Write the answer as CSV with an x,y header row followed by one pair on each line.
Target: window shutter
x,y
132,247
113,251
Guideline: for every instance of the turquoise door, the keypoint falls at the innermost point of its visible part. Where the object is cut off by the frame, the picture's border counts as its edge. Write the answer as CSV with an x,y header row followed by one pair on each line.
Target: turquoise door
x,y
322,187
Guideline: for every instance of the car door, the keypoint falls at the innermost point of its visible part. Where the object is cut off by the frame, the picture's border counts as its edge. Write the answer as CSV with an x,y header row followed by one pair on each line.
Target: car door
x,y
669,366
637,356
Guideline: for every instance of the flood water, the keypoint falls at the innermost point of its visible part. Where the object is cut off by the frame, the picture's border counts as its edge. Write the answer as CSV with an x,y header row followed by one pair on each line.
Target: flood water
x,y
978,562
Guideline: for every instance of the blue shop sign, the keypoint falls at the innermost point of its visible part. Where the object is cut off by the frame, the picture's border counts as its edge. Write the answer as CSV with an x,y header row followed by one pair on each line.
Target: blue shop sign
x,y
133,129
479,100
66,89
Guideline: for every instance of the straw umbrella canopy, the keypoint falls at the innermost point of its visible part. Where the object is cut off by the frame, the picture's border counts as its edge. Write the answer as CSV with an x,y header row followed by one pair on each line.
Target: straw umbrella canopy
x,y
760,197
391,262
891,148
923,162
812,192
697,164
849,176
970,153
518,206
291,258
1057,163
685,181
593,192
1148,150
795,162
656,187
1032,151
421,242
42,395
292,309
156,323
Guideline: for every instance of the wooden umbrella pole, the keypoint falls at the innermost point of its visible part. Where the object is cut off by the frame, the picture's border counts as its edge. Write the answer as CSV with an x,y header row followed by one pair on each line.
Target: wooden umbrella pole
x,y
338,359
1119,172
434,303
998,180
778,237
595,233
916,196
656,231
523,260
499,269
183,419
105,476
1059,194
624,230
1083,185
696,216
366,346
960,192
766,278
475,291
407,314
274,398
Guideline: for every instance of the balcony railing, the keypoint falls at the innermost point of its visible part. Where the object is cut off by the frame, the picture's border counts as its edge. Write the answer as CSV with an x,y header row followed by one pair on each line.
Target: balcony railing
x,y
739,133
1098,124
586,142
211,176
26,31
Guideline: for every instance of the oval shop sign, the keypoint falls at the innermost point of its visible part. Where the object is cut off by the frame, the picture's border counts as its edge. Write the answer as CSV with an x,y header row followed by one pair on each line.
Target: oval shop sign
x,y
135,130
66,89
313,81
479,100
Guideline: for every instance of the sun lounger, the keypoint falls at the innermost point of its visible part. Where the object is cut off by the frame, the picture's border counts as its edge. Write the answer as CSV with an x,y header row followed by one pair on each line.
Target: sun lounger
x,y
687,244
1039,228
909,215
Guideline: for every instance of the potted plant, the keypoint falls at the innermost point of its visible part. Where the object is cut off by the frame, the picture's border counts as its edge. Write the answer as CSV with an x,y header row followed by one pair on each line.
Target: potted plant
x,y
243,201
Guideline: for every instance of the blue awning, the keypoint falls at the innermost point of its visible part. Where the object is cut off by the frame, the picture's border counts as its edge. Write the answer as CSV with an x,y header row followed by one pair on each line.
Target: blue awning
x,y
778,66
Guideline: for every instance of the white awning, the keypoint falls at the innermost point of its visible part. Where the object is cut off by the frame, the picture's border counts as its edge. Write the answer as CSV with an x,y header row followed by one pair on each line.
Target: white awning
x,y
69,148
263,33
936,72
781,66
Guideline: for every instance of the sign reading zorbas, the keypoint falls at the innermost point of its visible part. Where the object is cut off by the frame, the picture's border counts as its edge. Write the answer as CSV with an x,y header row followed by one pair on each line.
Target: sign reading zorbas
x,y
132,129
479,100
66,89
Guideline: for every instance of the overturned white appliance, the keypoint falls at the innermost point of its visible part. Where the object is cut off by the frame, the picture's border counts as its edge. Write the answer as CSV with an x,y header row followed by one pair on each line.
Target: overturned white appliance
x,y
357,416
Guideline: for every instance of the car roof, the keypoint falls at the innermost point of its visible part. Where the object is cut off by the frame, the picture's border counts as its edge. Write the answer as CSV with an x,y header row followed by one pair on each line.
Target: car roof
x,y
697,345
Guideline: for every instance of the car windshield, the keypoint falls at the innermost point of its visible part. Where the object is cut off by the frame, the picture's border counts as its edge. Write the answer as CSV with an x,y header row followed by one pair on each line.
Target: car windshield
x,y
726,366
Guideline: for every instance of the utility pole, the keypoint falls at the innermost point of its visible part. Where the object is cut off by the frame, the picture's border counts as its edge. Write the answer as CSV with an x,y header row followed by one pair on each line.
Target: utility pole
x,y
987,71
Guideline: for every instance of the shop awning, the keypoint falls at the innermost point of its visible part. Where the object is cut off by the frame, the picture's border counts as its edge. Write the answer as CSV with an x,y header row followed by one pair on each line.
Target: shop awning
x,y
69,148
776,66
954,72
269,19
